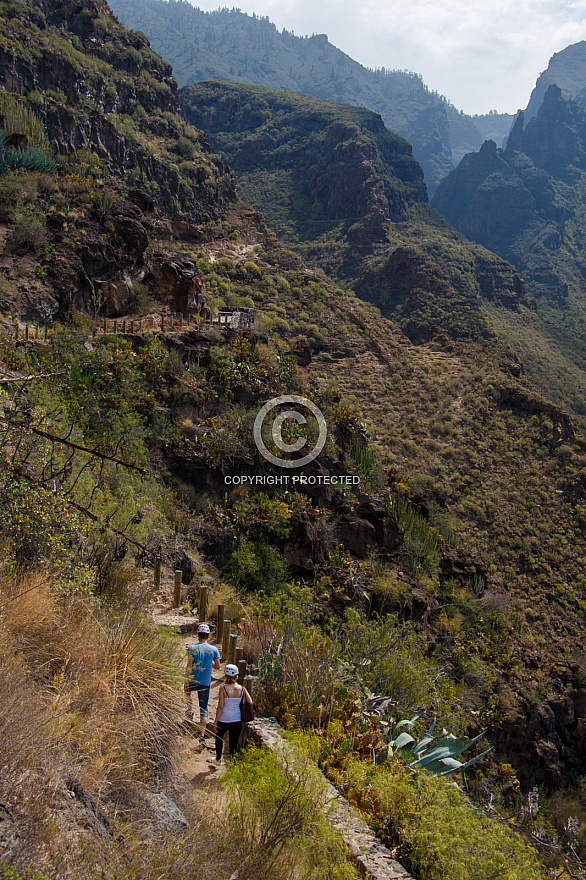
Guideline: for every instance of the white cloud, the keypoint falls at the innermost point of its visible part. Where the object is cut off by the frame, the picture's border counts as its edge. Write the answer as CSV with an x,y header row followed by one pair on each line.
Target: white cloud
x,y
481,56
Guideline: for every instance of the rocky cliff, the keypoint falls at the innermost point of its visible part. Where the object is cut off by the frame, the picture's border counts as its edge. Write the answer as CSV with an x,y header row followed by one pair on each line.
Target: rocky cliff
x,y
525,202
101,88
567,70
347,194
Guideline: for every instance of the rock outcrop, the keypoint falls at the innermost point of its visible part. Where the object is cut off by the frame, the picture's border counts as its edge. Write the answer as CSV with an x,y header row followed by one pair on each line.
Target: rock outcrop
x,y
112,90
524,201
345,191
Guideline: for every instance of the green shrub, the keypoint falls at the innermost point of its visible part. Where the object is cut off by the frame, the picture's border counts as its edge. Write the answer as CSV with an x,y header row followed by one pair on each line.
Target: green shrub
x,y
279,812
102,24
257,567
28,233
441,832
387,657
35,522
15,190
185,148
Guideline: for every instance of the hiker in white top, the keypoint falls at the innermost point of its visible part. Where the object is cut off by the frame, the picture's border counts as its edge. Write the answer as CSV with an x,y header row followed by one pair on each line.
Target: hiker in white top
x,y
228,714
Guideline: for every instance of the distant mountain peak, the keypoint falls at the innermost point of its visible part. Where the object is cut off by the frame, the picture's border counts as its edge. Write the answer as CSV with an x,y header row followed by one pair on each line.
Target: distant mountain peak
x,y
567,70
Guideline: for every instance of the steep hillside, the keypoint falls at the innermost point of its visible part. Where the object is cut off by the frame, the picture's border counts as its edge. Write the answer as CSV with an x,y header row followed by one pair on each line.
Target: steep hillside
x,y
230,45
566,69
527,204
458,514
345,192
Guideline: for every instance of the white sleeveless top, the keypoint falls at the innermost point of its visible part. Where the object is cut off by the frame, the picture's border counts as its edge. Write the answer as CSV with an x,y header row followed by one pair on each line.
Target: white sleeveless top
x,y
231,709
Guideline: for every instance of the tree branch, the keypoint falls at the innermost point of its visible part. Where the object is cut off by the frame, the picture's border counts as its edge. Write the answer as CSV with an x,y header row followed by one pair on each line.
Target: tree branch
x,y
76,446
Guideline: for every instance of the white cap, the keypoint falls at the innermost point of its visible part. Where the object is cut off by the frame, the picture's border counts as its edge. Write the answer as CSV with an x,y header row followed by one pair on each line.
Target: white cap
x,y
231,669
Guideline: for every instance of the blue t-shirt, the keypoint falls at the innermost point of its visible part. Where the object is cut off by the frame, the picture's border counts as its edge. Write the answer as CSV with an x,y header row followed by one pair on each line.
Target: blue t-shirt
x,y
203,656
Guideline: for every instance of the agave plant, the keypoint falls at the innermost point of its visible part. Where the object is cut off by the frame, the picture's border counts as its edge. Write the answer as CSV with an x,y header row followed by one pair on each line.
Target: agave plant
x,y
439,754
14,158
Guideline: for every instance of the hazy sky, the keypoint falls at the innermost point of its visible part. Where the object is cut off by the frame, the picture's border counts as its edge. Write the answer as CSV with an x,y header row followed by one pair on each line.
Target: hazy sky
x,y
481,55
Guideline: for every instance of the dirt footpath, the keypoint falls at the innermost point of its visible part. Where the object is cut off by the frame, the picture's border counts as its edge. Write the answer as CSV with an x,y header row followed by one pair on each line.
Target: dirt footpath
x,y
194,756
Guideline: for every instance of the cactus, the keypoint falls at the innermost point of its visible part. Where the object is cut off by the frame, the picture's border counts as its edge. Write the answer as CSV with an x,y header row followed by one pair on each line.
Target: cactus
x,y
422,541
19,117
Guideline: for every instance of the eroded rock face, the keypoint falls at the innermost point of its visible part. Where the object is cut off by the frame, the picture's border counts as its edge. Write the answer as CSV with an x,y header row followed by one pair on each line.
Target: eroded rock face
x,y
368,527
456,565
98,96
388,535
512,200
179,285
305,548
546,743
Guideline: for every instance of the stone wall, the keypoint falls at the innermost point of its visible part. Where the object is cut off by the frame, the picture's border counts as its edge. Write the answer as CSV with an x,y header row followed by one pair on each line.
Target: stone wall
x,y
371,856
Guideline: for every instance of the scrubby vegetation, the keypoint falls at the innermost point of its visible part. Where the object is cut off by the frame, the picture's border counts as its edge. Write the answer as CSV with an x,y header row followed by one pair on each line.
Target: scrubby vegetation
x,y
444,579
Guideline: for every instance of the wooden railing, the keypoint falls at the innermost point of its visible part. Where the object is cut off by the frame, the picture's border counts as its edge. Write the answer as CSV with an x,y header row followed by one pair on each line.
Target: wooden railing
x,y
160,322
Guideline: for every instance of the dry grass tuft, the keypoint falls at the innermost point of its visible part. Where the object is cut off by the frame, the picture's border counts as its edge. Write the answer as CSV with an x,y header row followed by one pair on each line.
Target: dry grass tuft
x,y
225,594
88,694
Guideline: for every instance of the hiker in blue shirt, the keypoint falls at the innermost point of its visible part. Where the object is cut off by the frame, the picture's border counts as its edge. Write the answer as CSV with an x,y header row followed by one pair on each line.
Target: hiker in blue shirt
x,y
201,659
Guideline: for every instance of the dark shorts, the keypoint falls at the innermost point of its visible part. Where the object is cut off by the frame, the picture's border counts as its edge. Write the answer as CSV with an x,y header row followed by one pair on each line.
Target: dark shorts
x,y
203,696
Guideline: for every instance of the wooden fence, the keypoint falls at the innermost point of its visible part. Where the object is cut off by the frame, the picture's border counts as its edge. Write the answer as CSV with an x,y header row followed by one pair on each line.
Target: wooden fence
x,y
161,322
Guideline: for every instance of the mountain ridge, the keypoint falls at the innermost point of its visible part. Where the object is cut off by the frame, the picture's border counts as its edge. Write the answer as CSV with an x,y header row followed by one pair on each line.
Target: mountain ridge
x,y
466,537
567,70
345,192
232,46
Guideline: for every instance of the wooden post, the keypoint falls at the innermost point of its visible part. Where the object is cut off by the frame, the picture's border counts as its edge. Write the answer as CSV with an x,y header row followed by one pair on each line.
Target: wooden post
x,y
105,325
203,604
232,647
181,319
220,622
26,331
115,327
124,326
177,588
158,573
226,638
238,652
242,664
248,684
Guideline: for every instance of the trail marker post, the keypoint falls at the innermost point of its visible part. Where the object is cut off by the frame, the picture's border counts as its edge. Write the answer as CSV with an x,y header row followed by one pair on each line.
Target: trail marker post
x,y
177,588
226,638
220,622
203,603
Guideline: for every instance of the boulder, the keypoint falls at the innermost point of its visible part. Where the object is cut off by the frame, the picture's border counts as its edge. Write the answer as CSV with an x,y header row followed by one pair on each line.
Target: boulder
x,y
357,535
